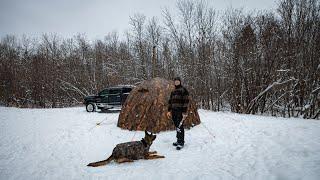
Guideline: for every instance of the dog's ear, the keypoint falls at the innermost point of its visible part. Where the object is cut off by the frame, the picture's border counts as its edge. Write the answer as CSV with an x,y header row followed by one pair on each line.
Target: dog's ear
x,y
154,137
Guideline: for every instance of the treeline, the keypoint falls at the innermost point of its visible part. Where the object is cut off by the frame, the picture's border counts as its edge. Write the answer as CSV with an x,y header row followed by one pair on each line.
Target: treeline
x,y
263,62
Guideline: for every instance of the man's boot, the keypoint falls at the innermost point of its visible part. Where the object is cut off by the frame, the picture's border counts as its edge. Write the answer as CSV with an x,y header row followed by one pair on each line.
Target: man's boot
x,y
175,144
179,146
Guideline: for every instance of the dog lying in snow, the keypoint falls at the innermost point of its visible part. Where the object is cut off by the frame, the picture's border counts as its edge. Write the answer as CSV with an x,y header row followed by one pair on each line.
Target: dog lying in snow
x,y
130,151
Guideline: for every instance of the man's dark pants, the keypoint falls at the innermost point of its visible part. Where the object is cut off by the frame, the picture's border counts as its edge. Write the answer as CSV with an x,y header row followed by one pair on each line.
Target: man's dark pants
x,y
177,118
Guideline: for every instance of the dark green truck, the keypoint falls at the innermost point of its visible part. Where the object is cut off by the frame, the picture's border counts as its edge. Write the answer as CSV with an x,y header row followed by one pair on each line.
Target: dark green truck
x,y
111,98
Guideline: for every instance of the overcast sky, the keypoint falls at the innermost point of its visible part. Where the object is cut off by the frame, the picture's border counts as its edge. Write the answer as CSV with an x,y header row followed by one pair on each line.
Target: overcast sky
x,y
95,18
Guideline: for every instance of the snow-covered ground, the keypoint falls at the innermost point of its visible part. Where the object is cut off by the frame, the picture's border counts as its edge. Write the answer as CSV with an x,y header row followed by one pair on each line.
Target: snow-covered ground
x,y
59,143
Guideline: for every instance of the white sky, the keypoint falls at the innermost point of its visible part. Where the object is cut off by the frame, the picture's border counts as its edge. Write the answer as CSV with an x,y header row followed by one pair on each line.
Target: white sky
x,y
95,18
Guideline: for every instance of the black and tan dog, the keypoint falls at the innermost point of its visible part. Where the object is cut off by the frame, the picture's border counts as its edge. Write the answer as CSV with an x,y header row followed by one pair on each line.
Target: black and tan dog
x,y
130,151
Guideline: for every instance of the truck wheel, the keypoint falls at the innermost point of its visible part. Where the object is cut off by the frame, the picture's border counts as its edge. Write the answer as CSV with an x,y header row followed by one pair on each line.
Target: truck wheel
x,y
90,107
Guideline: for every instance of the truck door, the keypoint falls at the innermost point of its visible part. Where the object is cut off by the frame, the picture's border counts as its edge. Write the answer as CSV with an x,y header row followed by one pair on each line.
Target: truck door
x,y
103,96
114,97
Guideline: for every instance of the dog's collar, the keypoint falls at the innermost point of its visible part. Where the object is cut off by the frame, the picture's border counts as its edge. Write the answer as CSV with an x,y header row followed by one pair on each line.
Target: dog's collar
x,y
144,142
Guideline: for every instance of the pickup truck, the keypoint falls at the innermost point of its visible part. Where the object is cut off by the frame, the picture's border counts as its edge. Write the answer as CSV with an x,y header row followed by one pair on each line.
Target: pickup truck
x,y
111,98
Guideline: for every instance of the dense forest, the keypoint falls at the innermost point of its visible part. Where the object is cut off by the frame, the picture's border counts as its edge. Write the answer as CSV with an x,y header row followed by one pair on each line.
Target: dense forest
x,y
265,62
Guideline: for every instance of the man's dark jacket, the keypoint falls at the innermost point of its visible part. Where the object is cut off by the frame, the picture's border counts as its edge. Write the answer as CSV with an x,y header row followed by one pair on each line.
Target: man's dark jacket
x,y
179,100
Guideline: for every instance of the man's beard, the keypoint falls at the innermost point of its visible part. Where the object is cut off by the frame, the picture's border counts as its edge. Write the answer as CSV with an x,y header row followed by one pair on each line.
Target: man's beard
x,y
177,85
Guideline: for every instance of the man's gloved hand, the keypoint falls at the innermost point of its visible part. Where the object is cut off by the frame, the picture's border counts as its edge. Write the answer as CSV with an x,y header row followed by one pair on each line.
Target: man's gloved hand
x,y
178,129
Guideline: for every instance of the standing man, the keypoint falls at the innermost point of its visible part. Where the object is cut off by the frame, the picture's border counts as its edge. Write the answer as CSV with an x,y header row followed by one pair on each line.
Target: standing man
x,y
177,110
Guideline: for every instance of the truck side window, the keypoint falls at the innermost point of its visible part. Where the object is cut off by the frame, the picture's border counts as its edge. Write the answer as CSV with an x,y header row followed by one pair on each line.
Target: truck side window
x,y
114,91
103,92
126,90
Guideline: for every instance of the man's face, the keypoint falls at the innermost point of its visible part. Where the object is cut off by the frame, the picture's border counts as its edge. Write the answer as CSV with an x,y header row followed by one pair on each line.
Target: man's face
x,y
177,82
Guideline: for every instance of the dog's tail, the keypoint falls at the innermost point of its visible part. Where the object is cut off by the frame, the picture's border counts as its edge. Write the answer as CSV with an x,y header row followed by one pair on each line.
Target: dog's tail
x,y
101,163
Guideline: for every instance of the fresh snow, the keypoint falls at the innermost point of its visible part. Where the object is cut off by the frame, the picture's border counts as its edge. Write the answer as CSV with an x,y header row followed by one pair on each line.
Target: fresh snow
x,y
59,143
